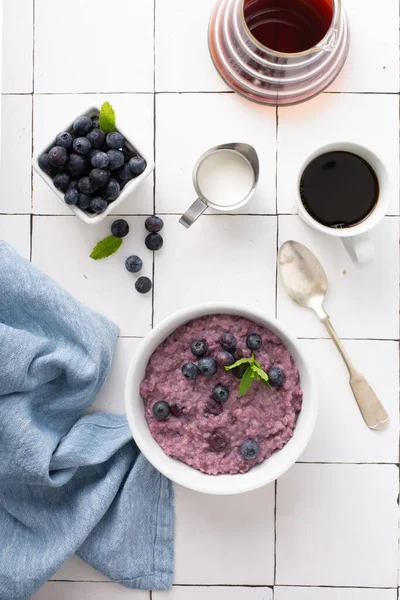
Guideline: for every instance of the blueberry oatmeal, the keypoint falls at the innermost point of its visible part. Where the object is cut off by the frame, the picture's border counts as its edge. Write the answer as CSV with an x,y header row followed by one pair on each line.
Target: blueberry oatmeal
x,y
195,407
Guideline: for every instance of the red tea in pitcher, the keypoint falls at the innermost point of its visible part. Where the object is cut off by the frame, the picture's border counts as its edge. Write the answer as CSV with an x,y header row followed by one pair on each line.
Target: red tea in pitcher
x,y
288,26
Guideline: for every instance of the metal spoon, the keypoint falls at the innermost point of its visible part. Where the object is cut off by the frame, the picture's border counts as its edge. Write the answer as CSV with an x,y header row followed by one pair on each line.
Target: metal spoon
x,y
306,283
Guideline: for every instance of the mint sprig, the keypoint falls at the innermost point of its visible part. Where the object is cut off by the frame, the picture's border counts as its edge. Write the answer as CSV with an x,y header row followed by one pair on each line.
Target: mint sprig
x,y
253,371
107,118
106,247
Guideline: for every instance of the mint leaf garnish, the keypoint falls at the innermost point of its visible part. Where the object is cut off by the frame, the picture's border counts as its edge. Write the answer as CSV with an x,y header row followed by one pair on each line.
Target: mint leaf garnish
x,y
253,371
261,375
106,247
246,381
242,361
107,118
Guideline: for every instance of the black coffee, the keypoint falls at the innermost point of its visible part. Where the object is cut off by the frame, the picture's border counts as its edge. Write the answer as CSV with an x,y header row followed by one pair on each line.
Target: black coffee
x,y
339,189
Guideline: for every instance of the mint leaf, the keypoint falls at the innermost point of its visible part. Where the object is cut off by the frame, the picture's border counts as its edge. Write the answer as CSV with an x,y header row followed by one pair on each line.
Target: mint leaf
x,y
261,375
106,247
246,381
107,118
242,361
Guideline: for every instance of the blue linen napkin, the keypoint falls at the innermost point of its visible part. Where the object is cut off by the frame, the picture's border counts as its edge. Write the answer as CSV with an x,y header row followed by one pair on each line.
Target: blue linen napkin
x,y
69,482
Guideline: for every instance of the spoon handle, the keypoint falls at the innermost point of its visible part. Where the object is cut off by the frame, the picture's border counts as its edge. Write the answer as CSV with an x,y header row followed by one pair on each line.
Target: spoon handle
x,y
374,414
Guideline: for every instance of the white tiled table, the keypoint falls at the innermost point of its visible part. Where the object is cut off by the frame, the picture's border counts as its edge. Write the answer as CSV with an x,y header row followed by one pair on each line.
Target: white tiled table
x,y
328,530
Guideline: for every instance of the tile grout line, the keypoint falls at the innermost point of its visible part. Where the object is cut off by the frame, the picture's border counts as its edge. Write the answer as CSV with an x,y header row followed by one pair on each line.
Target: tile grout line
x,y
188,92
153,292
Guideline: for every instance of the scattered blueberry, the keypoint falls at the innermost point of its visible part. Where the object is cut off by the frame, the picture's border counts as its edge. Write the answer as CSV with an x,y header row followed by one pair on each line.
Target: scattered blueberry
x,y
161,410
58,156
250,449
224,359
45,164
71,197
254,341
81,145
86,185
64,139
213,408
61,181
240,370
77,166
120,228
220,393
124,173
82,125
228,342
133,264
98,204
96,122
276,377
218,439
199,348
190,370
137,165
99,177
154,224
99,159
96,137
84,201
116,159
207,366
143,285
73,185
115,140
112,190
154,241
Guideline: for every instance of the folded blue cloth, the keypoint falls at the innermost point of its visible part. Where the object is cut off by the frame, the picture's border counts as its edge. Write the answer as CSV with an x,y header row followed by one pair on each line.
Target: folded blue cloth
x,y
69,482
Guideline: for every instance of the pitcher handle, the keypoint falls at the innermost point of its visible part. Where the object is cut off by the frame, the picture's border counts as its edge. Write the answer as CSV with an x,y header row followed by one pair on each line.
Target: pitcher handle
x,y
193,213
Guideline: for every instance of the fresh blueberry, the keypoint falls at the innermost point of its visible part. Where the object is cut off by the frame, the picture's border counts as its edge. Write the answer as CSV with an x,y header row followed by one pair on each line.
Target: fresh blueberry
x,y
240,370
112,190
82,125
190,370
250,449
220,393
228,342
254,341
224,358
58,156
120,228
77,166
133,264
116,159
213,408
96,122
98,204
199,348
81,145
86,185
207,366
218,439
176,410
71,197
115,140
61,182
73,185
137,165
161,410
96,137
124,173
45,164
276,377
99,177
154,241
64,139
154,224
143,285
84,201
99,159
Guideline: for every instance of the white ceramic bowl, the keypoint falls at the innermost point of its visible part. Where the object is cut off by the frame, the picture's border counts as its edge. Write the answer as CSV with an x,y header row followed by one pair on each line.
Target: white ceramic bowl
x,y
181,473
129,187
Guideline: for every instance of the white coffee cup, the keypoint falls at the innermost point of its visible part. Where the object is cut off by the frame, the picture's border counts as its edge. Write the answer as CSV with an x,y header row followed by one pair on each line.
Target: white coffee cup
x,y
355,239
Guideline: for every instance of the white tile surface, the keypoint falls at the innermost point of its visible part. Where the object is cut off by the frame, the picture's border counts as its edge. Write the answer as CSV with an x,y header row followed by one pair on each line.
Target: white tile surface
x,y
362,303
15,230
215,593
372,64
307,593
75,569
190,124
88,591
185,269
17,46
335,524
220,531
115,54
134,115
366,120
340,434
183,62
62,247
15,170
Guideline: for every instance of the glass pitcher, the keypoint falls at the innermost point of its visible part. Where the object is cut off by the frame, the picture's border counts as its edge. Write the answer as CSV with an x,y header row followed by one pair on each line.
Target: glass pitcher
x,y
267,75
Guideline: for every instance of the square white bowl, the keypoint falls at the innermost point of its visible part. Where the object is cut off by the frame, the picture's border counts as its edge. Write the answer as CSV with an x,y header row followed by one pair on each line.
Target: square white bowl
x,y
129,187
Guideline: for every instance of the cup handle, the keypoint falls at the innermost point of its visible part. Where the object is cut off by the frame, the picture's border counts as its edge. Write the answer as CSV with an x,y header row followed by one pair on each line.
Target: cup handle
x,y
193,213
360,249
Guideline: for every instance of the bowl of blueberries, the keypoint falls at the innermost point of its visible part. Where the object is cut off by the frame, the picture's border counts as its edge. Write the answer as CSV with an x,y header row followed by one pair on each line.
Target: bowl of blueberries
x,y
90,170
